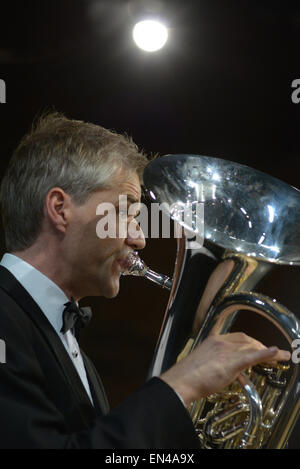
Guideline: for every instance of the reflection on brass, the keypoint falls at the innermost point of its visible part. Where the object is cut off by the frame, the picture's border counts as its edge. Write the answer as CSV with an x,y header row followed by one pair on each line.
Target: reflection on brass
x,y
251,223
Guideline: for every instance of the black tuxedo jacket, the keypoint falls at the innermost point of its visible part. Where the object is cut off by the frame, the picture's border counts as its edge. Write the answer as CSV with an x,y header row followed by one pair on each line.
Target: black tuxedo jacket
x,y
43,403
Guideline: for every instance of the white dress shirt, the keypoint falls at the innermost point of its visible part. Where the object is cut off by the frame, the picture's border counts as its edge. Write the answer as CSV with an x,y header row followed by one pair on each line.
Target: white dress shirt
x,y
51,299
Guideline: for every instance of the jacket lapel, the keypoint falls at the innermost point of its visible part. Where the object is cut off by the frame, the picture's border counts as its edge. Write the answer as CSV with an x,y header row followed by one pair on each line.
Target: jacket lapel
x,y
96,386
9,283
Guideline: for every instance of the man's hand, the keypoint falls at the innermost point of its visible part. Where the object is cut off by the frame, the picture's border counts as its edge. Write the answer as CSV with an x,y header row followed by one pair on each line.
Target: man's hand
x,y
216,363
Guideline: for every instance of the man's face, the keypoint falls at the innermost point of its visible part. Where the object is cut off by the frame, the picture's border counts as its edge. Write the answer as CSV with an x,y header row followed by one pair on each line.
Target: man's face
x,y
95,264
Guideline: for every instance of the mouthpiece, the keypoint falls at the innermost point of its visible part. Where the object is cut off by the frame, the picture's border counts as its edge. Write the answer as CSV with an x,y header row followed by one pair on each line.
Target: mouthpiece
x,y
135,266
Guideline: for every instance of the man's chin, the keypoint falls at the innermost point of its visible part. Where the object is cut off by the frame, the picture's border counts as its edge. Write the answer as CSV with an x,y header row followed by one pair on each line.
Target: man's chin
x,y
112,290
110,296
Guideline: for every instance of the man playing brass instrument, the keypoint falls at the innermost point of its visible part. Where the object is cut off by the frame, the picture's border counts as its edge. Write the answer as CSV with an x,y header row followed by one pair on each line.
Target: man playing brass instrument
x,y
50,393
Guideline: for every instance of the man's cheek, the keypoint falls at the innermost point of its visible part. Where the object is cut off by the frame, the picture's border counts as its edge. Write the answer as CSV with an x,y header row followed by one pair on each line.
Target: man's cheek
x,y
108,224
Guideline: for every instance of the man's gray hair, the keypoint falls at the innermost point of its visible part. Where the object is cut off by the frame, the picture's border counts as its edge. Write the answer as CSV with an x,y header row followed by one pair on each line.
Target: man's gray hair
x,y
76,156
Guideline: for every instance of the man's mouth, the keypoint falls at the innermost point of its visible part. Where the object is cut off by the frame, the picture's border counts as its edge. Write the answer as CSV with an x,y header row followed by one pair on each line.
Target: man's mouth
x,y
124,263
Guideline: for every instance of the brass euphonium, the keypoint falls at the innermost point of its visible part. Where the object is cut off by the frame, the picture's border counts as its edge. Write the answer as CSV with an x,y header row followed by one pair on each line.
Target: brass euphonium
x,y
248,222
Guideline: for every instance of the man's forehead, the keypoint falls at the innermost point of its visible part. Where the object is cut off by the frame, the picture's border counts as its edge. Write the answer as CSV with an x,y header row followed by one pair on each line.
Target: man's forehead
x,y
131,187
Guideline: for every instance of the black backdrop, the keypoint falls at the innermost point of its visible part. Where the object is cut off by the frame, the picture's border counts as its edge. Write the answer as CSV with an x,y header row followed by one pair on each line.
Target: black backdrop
x,y
221,87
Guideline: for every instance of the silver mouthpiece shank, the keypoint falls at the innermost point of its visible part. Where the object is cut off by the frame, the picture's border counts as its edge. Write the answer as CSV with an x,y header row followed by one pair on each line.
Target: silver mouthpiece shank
x,y
135,266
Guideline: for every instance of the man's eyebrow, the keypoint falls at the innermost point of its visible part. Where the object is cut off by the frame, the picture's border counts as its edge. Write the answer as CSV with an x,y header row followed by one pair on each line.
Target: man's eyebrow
x,y
133,200
130,200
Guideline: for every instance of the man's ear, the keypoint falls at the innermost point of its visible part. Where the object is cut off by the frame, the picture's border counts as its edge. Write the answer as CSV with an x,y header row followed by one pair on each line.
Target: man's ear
x,y
57,208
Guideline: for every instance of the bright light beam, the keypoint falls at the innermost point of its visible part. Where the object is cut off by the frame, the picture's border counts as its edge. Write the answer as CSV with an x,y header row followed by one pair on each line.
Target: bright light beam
x,y
150,35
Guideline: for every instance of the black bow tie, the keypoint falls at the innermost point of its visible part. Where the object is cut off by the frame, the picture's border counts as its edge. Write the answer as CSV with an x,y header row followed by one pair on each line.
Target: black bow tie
x,y
75,316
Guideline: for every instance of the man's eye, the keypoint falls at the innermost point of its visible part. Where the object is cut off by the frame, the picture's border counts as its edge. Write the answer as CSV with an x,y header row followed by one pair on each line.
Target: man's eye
x,y
123,213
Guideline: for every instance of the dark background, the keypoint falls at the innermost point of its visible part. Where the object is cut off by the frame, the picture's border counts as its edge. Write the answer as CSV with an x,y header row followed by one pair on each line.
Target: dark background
x,y
220,87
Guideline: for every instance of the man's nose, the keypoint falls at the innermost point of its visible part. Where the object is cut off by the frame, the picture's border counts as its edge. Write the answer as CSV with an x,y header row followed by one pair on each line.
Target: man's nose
x,y
135,236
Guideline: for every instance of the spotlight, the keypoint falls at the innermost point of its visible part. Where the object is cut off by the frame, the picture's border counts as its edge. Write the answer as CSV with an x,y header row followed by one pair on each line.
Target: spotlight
x,y
150,35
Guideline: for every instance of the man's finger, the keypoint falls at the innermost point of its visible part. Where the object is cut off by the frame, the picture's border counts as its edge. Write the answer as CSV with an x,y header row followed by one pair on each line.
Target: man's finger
x,y
271,354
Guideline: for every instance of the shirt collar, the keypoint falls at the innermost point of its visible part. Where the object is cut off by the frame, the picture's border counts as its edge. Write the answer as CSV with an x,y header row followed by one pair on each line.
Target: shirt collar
x,y
49,297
